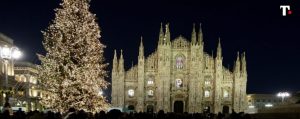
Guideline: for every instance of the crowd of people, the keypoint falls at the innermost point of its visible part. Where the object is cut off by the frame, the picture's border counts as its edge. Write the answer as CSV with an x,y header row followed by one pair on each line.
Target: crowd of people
x,y
115,114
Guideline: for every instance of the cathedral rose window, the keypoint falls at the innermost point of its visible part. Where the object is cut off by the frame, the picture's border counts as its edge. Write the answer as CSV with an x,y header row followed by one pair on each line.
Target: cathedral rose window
x,y
130,92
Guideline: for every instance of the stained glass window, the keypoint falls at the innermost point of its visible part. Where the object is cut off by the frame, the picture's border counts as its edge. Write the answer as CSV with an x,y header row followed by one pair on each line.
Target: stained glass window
x,y
179,62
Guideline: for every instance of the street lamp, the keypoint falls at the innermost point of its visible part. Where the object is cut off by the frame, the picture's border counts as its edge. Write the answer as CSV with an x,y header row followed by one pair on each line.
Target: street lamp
x,y
283,95
6,54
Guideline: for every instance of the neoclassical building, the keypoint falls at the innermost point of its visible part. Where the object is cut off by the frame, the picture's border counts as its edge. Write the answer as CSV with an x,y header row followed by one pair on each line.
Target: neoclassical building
x,y
180,77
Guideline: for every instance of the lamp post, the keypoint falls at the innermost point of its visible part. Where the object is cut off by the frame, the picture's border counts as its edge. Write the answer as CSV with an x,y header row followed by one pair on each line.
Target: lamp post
x,y
7,54
283,95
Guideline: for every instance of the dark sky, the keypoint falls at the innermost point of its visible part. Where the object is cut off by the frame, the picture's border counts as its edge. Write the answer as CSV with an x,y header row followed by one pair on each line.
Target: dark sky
x,y
270,40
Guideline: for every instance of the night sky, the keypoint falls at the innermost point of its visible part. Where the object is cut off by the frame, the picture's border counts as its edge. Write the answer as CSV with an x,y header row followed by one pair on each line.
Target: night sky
x,y
270,40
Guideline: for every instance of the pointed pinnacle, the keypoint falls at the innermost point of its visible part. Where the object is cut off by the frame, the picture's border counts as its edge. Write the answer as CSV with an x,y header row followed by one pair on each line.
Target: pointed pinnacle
x,y
161,27
200,28
238,55
219,44
121,54
194,27
141,43
115,53
167,27
244,56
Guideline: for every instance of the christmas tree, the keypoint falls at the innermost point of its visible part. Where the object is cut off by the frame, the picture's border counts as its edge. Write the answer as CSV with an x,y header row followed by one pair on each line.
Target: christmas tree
x,y
73,70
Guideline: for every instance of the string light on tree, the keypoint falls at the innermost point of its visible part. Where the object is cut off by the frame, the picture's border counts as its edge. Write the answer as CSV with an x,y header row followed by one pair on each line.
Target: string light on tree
x,y
72,71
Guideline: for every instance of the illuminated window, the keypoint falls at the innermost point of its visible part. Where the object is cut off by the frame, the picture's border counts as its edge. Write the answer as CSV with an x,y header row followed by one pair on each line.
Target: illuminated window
x,y
23,78
130,92
178,83
225,94
206,93
34,93
150,93
179,62
150,82
33,80
207,82
17,77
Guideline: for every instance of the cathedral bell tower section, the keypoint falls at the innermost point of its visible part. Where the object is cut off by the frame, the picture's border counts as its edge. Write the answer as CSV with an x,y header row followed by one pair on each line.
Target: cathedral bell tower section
x,y
237,84
218,79
200,75
114,76
195,70
164,70
121,83
243,98
141,78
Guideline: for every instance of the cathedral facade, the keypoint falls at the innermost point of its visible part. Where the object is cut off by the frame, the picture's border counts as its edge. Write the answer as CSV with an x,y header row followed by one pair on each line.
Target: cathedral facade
x,y
180,77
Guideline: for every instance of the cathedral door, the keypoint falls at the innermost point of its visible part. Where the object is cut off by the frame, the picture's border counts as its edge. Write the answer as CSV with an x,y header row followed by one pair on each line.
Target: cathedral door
x,y
150,108
207,109
225,109
178,107
130,107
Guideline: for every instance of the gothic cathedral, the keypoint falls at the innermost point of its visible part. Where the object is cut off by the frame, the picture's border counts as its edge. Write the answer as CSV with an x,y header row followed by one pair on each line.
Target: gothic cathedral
x,y
180,77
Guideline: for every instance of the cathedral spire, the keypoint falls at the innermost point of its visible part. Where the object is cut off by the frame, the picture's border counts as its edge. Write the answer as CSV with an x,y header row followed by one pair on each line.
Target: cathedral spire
x,y
237,66
200,35
219,50
243,62
167,34
121,57
161,28
115,61
141,48
131,64
115,55
161,34
194,35
121,62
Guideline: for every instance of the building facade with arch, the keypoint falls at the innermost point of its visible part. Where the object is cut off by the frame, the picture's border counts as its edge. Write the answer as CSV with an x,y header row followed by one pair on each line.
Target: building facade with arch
x,y
180,77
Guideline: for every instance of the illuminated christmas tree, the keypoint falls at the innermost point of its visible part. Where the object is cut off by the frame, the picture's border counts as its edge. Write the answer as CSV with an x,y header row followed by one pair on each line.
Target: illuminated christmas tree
x,y
72,71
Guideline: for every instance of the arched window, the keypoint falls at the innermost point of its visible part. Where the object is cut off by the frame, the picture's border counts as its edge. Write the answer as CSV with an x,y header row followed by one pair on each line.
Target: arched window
x,y
130,92
150,82
225,94
178,83
206,93
23,78
33,80
150,93
179,62
17,77
207,83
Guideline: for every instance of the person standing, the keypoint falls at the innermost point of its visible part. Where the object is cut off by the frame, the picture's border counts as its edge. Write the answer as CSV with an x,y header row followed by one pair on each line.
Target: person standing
x,y
8,108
